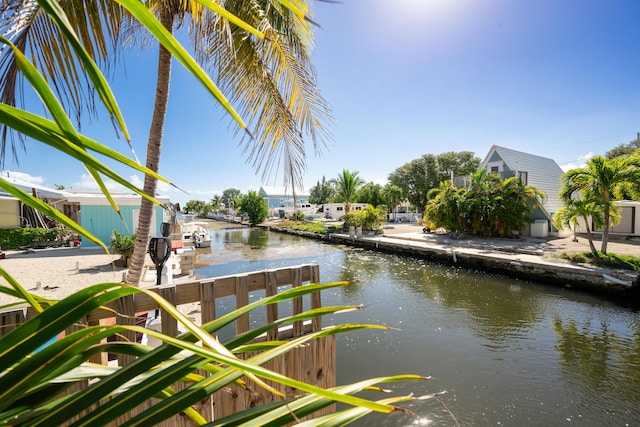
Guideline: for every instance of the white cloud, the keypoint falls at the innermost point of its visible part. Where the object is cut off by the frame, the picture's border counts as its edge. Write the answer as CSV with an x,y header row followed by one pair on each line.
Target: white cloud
x,y
87,182
579,163
21,176
138,181
380,181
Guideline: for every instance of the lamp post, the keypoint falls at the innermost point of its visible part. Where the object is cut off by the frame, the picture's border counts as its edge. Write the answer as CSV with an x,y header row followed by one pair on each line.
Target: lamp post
x,y
160,250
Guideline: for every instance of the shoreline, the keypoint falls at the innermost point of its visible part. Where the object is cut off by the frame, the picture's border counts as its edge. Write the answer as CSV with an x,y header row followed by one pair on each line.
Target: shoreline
x,y
528,258
57,272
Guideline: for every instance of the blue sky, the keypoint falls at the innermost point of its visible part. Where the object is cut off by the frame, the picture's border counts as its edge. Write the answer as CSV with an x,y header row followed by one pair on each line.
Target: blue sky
x,y
405,78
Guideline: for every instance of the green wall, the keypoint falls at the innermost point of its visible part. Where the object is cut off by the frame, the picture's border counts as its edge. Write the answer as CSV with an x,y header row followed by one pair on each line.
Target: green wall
x,y
101,220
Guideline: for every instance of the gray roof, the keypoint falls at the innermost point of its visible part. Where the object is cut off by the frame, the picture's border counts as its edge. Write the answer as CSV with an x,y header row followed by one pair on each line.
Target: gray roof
x,y
517,160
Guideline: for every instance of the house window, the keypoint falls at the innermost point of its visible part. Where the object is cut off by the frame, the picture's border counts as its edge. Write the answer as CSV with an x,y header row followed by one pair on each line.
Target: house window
x,y
524,177
494,169
339,208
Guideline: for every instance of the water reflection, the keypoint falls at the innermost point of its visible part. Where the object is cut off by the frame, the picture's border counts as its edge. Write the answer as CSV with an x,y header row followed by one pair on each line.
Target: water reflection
x,y
508,352
603,358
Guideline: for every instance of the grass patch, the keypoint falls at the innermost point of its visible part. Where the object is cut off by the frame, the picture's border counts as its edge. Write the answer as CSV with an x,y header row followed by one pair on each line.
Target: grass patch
x,y
615,261
313,227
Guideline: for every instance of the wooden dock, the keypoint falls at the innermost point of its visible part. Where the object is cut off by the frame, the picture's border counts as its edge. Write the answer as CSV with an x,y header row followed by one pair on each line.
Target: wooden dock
x,y
314,364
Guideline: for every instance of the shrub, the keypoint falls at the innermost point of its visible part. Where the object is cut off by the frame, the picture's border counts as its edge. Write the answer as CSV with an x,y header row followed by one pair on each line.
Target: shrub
x,y
351,219
255,207
298,216
370,219
14,238
122,245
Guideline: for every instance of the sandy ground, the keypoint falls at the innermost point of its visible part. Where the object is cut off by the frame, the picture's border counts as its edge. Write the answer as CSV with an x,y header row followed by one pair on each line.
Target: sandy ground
x,y
550,246
56,273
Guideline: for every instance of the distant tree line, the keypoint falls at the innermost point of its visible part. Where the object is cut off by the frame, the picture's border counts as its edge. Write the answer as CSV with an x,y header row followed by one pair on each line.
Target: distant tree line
x,y
487,205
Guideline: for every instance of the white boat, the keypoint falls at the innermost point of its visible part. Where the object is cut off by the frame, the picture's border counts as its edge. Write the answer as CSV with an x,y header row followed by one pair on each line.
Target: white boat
x,y
196,233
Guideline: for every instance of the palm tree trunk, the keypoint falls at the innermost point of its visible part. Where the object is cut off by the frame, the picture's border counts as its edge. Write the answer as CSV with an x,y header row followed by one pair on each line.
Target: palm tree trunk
x,y
605,232
590,237
154,146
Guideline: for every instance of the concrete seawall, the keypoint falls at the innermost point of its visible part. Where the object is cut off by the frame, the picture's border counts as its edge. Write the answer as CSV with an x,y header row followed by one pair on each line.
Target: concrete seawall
x,y
506,258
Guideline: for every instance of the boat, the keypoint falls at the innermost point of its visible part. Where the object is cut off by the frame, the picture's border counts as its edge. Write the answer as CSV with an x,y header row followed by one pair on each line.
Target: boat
x,y
195,233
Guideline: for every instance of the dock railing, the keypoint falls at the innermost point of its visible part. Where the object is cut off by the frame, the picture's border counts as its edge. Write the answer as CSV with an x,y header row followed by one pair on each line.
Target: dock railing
x,y
314,363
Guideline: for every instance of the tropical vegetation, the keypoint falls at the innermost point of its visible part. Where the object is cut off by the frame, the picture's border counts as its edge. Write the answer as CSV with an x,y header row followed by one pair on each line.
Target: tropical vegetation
x,y
270,78
254,206
259,54
36,364
198,207
393,196
321,193
371,194
624,149
611,261
14,238
419,176
298,216
369,218
122,245
347,184
490,206
574,211
230,198
602,181
312,227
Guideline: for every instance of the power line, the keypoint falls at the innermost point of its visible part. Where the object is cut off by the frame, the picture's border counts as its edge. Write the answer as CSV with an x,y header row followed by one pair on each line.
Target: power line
x,y
595,140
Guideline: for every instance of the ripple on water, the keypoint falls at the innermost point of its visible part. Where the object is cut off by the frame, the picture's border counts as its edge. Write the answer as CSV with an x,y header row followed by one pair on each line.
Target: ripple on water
x,y
508,352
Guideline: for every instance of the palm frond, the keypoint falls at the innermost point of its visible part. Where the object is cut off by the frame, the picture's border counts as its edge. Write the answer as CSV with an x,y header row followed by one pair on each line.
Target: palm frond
x,y
274,71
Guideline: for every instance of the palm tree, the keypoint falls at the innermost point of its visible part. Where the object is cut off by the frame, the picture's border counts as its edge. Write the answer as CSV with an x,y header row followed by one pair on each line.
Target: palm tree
x,y
31,401
253,75
478,203
445,207
393,195
347,185
216,202
517,201
271,79
602,180
570,214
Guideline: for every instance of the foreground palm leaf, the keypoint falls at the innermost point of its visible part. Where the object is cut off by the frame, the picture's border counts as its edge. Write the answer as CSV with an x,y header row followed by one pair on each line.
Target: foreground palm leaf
x,y
35,364
30,374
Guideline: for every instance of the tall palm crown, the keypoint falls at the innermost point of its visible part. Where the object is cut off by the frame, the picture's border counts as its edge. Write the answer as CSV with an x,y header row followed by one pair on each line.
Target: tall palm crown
x,y
274,71
602,180
575,210
347,185
271,80
393,195
27,25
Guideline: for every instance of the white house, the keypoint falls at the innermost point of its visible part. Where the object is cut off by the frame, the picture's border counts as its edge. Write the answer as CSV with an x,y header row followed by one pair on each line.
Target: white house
x,y
629,220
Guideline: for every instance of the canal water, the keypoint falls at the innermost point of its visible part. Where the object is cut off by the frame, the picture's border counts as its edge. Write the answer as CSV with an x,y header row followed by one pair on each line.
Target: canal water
x,y
507,352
